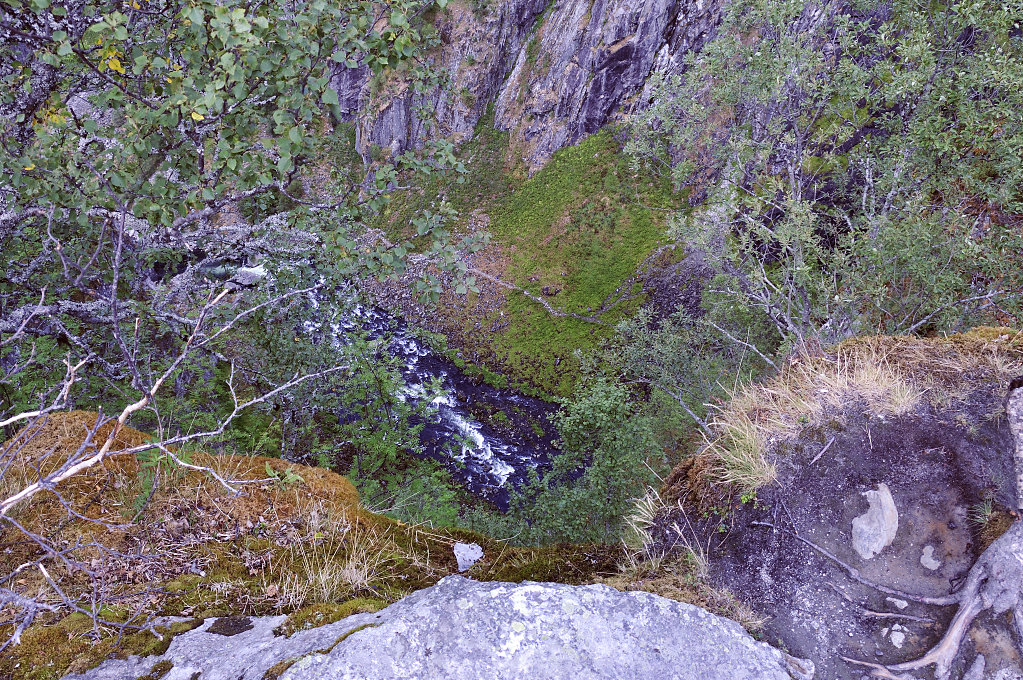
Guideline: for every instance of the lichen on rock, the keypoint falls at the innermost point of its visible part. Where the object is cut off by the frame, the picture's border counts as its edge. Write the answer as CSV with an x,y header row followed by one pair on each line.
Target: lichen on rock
x,y
508,630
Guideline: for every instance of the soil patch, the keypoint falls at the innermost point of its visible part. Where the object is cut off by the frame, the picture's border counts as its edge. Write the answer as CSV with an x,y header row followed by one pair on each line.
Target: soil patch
x,y
949,474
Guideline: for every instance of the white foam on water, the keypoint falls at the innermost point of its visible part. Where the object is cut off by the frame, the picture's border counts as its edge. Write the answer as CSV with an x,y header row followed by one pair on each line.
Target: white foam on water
x,y
474,445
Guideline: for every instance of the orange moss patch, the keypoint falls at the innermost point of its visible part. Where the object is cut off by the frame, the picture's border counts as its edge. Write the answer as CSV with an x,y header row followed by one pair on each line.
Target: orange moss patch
x,y
157,524
47,444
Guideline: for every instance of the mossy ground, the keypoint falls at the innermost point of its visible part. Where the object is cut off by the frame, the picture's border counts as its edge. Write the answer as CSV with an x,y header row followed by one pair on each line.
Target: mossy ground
x,y
48,652
325,613
574,233
307,549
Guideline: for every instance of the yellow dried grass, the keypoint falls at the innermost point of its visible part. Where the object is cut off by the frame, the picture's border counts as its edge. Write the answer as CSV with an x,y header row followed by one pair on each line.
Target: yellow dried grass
x,y
879,376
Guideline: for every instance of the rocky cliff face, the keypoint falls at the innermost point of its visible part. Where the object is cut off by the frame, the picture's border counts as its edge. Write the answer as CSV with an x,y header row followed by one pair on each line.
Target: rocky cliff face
x,y
588,61
554,74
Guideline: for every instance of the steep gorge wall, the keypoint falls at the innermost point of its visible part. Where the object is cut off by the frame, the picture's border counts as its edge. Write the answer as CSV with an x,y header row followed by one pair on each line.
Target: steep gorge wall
x,y
590,60
554,72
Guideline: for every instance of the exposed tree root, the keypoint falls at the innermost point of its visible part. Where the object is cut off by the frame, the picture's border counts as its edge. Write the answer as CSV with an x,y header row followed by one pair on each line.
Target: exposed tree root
x,y
854,573
994,582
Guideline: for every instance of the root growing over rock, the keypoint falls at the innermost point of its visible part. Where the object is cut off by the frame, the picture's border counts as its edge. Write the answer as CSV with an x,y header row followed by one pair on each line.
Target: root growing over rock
x,y
995,582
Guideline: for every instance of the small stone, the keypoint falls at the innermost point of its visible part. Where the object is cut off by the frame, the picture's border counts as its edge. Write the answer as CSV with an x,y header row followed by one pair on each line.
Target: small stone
x,y
875,529
901,604
897,636
927,558
467,555
976,670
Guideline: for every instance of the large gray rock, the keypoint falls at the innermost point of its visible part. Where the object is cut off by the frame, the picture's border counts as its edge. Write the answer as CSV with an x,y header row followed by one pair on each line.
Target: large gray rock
x,y
554,77
461,629
235,648
588,60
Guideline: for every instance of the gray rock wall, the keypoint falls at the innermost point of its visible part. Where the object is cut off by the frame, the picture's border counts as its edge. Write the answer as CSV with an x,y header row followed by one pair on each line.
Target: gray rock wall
x,y
555,75
477,53
589,61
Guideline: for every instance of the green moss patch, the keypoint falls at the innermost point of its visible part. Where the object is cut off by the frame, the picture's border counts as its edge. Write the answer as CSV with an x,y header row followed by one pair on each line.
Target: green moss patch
x,y
158,670
48,652
573,234
324,614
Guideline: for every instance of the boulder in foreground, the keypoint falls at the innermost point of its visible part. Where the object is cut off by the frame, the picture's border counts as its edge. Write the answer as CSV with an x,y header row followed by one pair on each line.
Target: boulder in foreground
x,y
464,629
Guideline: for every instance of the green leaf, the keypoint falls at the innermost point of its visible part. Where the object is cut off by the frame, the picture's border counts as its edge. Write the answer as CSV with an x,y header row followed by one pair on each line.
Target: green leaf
x,y
330,97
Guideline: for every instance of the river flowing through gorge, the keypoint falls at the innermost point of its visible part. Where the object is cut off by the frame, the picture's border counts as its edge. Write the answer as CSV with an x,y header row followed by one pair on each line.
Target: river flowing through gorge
x,y
490,438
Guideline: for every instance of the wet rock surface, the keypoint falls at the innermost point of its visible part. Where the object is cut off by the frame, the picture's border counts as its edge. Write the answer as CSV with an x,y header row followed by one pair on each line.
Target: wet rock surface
x,y
465,629
947,476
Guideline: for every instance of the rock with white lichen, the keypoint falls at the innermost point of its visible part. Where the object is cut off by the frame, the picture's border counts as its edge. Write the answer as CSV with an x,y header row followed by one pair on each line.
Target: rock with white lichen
x,y
468,630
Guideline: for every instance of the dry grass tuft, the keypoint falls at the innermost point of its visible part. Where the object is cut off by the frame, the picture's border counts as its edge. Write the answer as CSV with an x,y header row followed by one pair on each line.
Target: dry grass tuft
x,y
676,578
641,519
880,376
330,569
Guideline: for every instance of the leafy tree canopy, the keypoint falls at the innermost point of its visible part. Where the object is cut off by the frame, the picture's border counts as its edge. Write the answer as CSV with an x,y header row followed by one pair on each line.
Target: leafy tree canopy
x,y
860,163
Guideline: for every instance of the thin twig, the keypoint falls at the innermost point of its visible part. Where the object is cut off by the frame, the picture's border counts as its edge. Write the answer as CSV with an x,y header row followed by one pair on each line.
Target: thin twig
x,y
854,573
826,447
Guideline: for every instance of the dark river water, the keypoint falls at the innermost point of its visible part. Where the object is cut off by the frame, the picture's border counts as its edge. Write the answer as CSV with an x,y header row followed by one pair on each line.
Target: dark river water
x,y
489,437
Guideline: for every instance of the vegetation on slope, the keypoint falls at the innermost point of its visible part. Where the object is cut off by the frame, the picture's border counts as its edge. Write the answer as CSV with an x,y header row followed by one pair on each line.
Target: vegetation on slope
x,y
284,538
881,376
574,234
